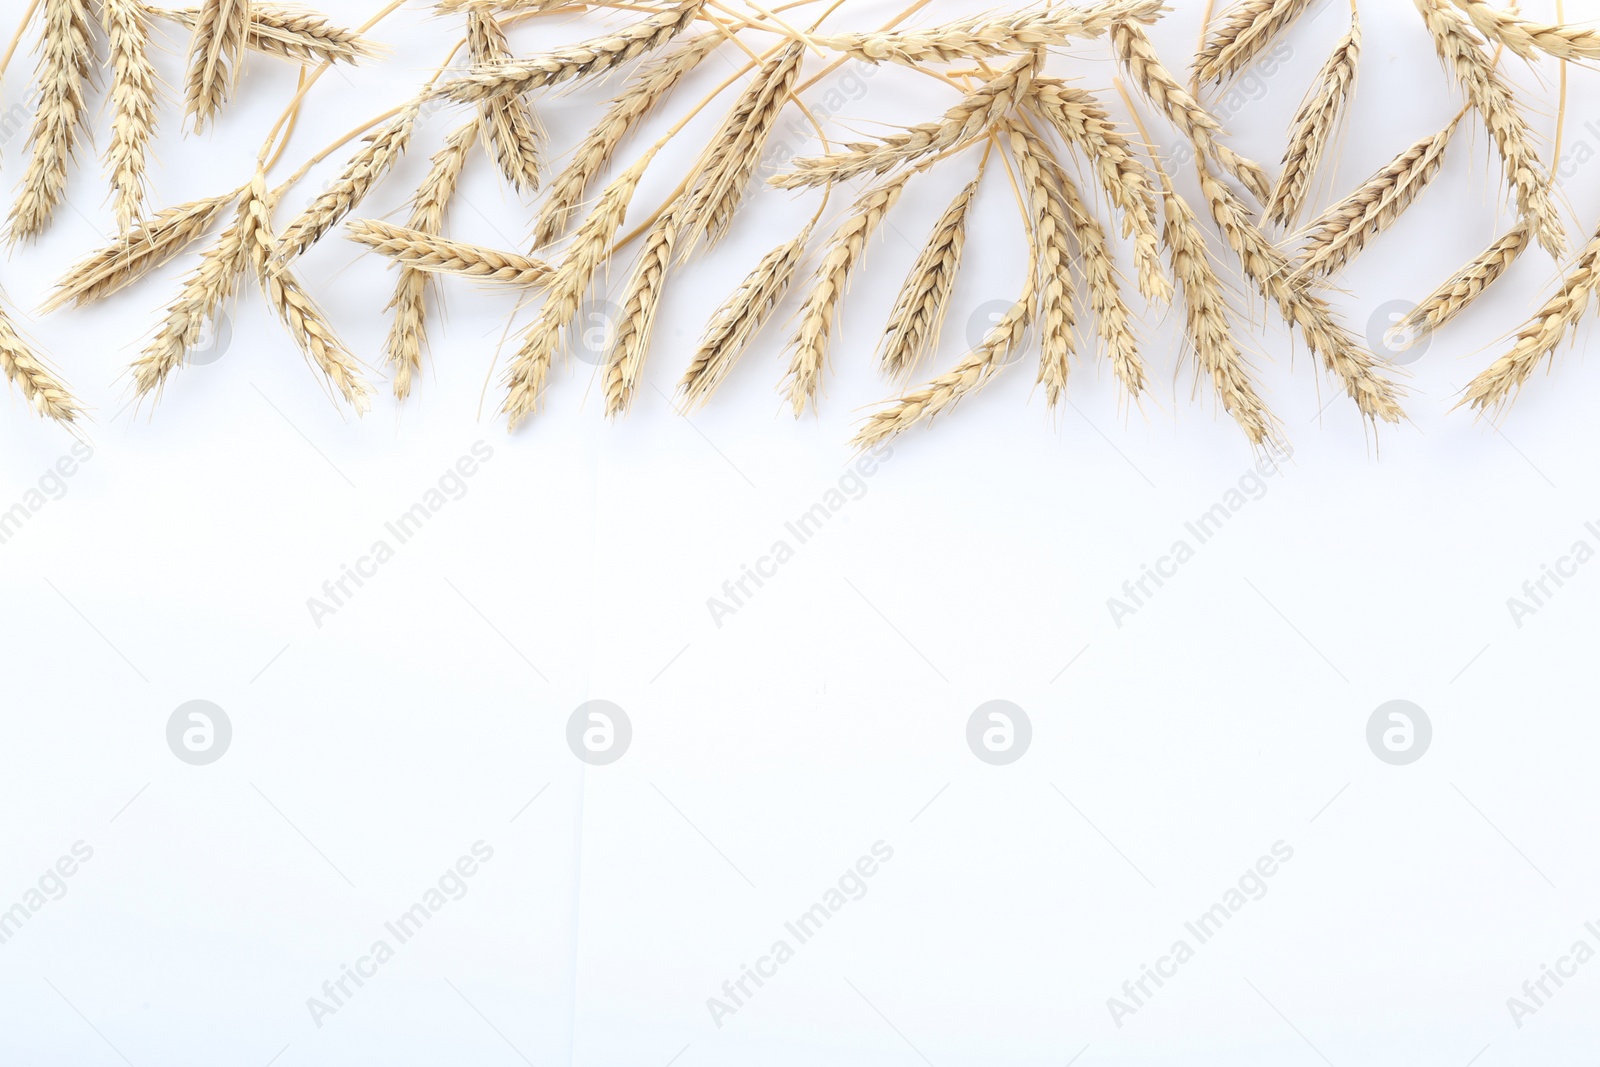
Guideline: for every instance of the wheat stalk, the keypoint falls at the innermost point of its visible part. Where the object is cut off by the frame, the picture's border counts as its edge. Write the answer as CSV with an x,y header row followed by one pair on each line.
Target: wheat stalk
x,y
289,33
1315,126
447,7
963,123
924,300
625,111
409,331
147,245
1161,89
1342,231
1463,287
985,36
514,133
1083,123
383,148
1245,29
1529,39
1269,268
65,56
1462,52
576,61
735,151
1538,338
43,391
133,102
590,247
416,250
808,350
736,323
216,52
625,361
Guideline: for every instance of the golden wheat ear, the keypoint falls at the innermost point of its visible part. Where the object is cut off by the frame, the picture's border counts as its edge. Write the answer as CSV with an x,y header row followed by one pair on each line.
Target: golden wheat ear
x,y
1462,288
133,105
428,253
1530,39
924,300
1244,31
44,392
292,34
147,245
1315,127
66,58
382,150
987,36
216,54
624,362
514,134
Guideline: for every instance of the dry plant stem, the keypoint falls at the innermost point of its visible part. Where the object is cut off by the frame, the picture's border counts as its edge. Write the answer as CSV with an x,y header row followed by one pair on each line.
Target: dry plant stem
x,y
648,88
513,130
1538,338
408,333
1342,231
1315,126
576,61
808,350
986,36
133,105
736,323
383,149
1463,287
734,153
43,391
1162,90
1269,268
924,300
1463,54
65,58
1246,28
215,53
1083,123
432,254
148,244
1048,207
625,362
590,247
1530,39
967,121
299,36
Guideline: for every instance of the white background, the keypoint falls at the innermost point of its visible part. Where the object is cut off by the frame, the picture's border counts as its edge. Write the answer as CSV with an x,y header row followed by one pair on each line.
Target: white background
x,y
828,713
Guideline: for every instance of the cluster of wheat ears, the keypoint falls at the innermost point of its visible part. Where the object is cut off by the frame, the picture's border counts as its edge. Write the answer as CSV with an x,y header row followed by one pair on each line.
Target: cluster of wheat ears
x,y
1053,138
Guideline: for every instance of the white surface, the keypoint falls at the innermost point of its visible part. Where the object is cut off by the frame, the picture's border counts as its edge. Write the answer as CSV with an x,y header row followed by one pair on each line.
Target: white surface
x,y
830,712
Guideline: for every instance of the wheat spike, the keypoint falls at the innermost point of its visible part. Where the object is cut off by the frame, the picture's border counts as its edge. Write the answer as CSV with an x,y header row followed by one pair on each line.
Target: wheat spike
x,y
1269,268
625,111
1463,53
408,333
1315,126
43,391
146,246
985,36
1162,90
133,103
290,33
1048,207
733,154
216,52
1244,30
1083,123
1538,338
625,362
575,61
736,323
1342,231
1529,39
383,148
919,312
514,133
448,7
427,252
808,351
1463,287
968,120
590,246
65,56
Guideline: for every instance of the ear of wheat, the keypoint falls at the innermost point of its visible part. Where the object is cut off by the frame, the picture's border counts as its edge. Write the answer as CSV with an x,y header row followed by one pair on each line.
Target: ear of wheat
x,y
133,101
982,37
1530,39
625,362
383,149
1463,287
429,253
1048,205
1246,29
299,36
739,319
919,311
215,53
513,130
1315,126
43,391
65,57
